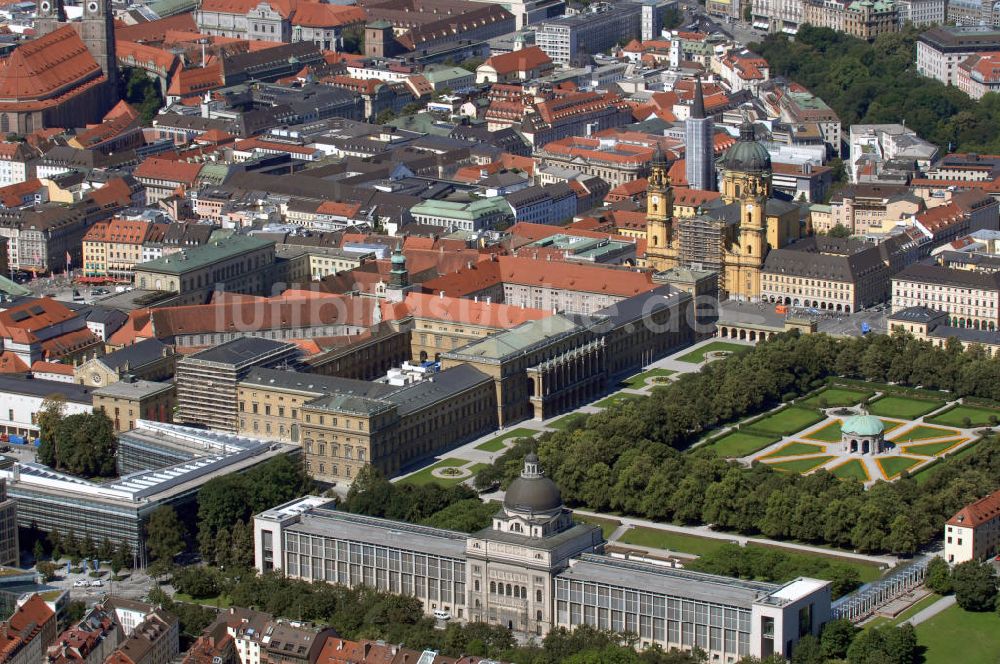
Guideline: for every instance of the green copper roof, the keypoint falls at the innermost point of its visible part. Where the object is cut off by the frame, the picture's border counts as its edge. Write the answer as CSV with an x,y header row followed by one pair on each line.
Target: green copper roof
x,y
863,425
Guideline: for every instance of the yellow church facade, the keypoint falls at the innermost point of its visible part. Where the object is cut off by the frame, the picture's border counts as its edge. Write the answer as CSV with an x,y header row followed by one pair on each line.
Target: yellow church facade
x,y
731,237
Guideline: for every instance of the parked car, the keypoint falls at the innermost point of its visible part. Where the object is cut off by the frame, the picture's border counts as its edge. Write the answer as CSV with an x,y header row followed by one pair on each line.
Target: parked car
x,y
96,583
80,583
440,614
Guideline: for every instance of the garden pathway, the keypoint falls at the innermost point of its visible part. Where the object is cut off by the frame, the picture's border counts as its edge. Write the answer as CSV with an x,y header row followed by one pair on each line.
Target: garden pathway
x,y
932,610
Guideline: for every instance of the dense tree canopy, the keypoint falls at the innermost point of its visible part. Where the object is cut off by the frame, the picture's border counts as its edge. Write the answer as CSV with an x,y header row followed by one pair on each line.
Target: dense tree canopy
x,y
878,83
455,508
82,444
226,504
628,459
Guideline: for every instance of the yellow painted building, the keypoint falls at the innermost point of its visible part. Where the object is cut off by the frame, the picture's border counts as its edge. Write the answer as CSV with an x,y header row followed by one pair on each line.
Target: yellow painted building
x,y
731,236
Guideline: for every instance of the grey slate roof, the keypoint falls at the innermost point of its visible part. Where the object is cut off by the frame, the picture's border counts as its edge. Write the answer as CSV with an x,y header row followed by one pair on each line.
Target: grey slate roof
x,y
821,257
936,274
36,387
137,355
240,351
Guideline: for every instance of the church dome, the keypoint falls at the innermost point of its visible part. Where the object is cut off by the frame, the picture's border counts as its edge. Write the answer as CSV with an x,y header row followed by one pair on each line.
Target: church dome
x,y
747,155
862,425
532,492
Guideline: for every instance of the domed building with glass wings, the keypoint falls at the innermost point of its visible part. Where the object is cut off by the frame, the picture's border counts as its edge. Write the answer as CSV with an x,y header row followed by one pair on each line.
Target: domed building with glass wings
x,y
535,569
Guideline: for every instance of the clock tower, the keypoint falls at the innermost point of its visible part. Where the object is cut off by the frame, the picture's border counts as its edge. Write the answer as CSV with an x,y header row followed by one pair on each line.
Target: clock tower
x,y
661,243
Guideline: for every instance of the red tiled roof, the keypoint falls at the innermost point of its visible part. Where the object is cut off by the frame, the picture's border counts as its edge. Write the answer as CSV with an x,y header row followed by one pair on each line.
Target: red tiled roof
x,y
69,343
14,195
11,363
156,168
154,31
118,120
52,368
47,67
348,210
693,197
462,310
977,513
24,626
523,60
196,80
321,15
130,53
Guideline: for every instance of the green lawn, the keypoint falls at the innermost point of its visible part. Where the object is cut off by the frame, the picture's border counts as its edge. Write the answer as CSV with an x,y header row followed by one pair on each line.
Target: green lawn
x,y
608,526
955,417
903,408
741,443
220,601
565,421
836,397
800,465
787,421
496,444
797,449
639,380
424,476
830,433
866,571
929,449
852,469
922,433
697,356
919,606
617,399
893,466
665,539
957,636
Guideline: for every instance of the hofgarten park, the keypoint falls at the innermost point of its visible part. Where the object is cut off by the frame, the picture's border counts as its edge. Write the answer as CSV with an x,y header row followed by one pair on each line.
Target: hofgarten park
x,y
863,431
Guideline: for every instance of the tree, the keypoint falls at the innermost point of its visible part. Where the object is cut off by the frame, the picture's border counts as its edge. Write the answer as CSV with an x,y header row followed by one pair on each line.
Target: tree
x,y
354,40
385,117
836,638
49,416
38,551
142,92
164,534
902,537
471,64
47,570
672,18
938,578
884,645
748,12
106,550
975,586
839,231
808,651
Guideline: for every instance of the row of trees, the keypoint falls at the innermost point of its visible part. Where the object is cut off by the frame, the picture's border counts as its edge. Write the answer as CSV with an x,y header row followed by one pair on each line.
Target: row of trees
x,y
82,444
878,83
627,459
454,508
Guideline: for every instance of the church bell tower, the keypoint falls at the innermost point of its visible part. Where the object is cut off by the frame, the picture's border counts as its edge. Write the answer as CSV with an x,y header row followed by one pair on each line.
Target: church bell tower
x,y
97,30
661,251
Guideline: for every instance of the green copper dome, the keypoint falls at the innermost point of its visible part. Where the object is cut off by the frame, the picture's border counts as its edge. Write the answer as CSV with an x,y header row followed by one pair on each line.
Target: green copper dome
x,y
863,425
747,155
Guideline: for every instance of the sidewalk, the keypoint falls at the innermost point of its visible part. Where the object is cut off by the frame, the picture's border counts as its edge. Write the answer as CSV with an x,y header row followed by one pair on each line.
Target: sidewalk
x,y
932,610
705,531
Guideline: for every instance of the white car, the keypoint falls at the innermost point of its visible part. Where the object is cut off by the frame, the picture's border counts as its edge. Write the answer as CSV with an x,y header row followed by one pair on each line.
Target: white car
x,y
80,583
440,614
96,583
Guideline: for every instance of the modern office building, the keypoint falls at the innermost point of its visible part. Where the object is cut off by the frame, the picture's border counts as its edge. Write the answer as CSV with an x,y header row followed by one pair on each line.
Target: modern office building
x,y
118,510
942,49
10,551
573,39
535,569
699,146
207,380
